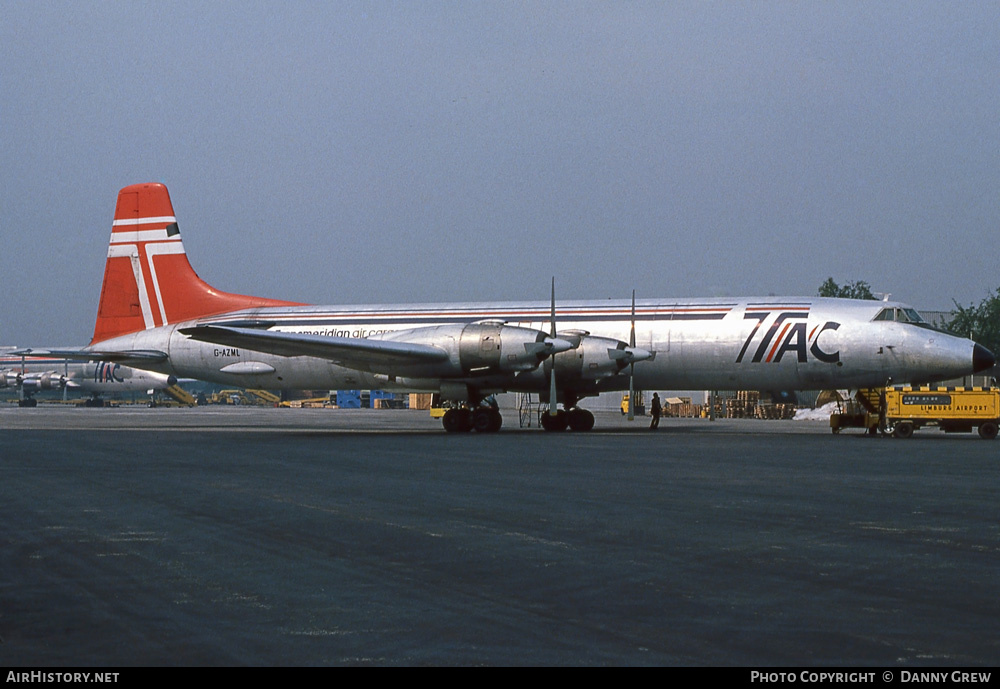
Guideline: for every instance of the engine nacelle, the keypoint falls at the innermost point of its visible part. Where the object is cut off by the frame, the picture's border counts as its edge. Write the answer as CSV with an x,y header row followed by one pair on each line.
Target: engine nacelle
x,y
593,358
479,349
33,382
9,379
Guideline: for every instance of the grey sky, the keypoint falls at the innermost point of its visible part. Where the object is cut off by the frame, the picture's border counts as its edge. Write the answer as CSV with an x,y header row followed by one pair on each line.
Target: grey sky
x,y
352,152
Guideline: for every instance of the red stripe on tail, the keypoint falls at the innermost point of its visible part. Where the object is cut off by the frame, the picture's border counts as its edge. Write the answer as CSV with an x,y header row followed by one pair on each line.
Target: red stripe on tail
x,y
148,280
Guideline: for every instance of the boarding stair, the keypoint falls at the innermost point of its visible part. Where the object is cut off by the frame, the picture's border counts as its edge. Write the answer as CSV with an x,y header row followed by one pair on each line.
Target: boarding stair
x,y
266,396
180,394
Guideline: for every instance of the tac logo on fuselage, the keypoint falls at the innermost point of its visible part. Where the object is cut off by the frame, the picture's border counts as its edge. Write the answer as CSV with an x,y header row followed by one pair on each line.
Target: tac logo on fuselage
x,y
107,372
781,331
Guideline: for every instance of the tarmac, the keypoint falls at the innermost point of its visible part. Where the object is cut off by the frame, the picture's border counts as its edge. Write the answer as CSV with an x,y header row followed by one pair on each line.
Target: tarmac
x,y
281,537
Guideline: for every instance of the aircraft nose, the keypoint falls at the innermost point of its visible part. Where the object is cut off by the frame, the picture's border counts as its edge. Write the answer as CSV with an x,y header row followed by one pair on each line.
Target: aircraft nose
x,y
982,358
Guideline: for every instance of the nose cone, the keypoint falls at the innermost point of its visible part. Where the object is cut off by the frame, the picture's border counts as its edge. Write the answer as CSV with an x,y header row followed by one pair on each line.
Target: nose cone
x,y
982,358
636,354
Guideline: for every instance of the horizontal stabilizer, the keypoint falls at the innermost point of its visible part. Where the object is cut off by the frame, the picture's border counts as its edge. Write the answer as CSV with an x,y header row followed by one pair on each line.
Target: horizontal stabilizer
x,y
357,353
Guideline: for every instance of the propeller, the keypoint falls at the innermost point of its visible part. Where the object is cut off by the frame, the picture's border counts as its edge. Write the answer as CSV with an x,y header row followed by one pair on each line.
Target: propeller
x,y
631,366
552,374
20,393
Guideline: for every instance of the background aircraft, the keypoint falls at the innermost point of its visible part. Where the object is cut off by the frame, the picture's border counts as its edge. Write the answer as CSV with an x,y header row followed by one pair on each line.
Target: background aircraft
x,y
29,375
156,313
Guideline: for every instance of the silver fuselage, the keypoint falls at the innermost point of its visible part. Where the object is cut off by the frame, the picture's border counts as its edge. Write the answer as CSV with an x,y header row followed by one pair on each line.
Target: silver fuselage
x,y
764,343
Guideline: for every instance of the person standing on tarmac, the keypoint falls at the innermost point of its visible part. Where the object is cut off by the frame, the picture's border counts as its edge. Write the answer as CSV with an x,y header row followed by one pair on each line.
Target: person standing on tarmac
x,y
655,410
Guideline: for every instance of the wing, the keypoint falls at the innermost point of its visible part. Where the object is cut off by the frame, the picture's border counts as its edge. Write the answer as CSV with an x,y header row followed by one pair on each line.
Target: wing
x,y
357,353
131,357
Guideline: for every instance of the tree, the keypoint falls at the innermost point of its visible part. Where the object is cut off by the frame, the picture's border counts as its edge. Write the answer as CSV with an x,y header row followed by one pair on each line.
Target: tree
x,y
859,289
980,323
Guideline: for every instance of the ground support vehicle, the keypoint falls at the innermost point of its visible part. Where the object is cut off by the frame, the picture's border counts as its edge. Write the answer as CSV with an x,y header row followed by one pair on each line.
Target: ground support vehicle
x,y
899,411
953,410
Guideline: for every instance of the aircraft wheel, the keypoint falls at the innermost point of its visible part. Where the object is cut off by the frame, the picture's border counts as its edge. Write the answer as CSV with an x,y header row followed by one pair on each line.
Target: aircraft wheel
x,y
557,422
903,430
580,419
457,420
988,430
485,420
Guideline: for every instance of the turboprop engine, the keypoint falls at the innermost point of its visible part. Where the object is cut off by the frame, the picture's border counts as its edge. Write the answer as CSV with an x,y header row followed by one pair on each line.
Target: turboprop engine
x,y
483,348
9,379
49,380
593,357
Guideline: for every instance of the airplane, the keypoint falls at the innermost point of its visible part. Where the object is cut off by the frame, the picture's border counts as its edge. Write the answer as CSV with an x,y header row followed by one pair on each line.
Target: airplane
x,y
45,372
156,313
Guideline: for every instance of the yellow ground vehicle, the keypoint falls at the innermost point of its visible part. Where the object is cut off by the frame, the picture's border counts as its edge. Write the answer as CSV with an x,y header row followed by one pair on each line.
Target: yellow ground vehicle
x,y
899,411
954,410
239,396
438,408
640,404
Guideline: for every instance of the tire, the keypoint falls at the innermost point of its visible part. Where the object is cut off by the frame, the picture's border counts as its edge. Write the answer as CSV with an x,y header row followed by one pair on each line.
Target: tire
x,y
558,422
580,420
496,421
457,420
988,430
903,430
486,420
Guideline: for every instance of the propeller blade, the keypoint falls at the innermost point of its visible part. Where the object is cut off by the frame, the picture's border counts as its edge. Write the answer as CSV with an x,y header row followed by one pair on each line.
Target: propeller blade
x,y
552,374
631,337
631,366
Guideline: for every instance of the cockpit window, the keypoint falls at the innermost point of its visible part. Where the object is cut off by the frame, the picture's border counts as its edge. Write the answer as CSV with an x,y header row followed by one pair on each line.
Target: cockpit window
x,y
900,315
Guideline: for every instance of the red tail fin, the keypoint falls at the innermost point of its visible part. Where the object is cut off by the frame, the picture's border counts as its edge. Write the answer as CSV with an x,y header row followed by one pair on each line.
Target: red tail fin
x,y
148,281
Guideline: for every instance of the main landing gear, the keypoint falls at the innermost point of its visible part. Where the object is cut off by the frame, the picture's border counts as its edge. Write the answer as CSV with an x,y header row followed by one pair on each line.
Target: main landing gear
x,y
489,420
463,419
576,419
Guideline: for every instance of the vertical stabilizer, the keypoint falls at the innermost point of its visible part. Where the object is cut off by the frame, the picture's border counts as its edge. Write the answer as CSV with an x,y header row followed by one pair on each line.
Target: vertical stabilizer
x,y
148,281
